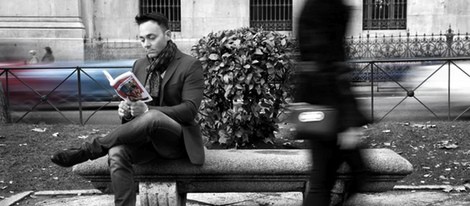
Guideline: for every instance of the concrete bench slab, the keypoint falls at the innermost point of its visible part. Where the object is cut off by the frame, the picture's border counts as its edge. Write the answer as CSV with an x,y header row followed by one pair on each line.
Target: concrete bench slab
x,y
273,170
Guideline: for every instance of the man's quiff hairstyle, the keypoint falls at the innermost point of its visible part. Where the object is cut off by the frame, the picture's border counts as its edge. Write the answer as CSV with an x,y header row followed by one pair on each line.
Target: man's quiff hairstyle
x,y
161,20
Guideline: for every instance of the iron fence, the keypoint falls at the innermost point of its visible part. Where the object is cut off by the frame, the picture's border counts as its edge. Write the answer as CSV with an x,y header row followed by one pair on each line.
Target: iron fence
x,y
99,48
385,82
378,62
12,77
449,44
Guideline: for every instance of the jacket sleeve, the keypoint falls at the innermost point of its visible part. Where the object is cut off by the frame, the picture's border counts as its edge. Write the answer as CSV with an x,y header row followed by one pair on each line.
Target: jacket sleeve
x,y
191,96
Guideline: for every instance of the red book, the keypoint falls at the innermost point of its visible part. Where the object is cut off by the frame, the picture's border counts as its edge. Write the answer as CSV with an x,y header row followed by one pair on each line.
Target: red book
x,y
128,87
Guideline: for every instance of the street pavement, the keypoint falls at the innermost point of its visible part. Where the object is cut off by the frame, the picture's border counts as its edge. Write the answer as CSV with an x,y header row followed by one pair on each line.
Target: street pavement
x,y
390,198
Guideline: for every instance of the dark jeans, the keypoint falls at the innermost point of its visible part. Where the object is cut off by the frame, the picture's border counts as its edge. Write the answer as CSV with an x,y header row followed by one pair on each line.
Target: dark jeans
x,y
327,157
149,136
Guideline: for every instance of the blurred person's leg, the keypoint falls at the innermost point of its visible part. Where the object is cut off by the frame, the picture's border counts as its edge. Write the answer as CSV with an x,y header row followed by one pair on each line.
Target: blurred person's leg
x,y
355,160
326,158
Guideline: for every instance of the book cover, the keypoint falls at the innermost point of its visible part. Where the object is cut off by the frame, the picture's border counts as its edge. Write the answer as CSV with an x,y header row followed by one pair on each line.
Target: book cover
x,y
128,87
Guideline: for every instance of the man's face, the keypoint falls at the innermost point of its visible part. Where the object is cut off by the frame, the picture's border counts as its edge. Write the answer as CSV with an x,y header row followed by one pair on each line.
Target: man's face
x,y
153,38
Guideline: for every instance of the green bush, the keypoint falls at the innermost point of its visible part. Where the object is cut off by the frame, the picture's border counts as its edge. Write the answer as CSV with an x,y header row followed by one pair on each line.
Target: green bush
x,y
247,82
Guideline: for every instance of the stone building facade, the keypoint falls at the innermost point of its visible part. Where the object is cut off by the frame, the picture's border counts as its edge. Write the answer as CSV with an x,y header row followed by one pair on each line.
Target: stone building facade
x,y
67,26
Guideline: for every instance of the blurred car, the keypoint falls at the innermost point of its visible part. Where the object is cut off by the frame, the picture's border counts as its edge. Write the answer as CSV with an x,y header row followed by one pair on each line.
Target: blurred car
x,y
434,85
29,85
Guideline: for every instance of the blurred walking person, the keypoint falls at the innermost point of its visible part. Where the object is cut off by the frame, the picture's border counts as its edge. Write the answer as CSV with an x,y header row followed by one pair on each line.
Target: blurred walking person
x,y
324,80
48,57
33,59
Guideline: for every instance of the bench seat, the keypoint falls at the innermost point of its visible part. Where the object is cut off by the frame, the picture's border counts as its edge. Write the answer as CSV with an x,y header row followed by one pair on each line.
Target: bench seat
x,y
272,170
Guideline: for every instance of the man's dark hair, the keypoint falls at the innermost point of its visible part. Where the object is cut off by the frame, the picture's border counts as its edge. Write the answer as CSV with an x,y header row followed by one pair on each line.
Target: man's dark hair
x,y
157,17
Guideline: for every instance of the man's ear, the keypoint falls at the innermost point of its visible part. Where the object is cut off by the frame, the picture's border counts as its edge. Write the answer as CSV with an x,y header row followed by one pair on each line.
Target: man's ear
x,y
168,35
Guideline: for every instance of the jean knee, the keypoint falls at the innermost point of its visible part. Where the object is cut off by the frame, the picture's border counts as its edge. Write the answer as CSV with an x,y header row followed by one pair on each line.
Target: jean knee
x,y
118,155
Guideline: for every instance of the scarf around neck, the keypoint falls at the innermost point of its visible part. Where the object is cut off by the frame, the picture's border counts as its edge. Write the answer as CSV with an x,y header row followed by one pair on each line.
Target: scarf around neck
x,y
157,66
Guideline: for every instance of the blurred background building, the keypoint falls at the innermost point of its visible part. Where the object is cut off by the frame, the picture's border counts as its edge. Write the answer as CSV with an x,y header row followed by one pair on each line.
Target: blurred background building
x,y
104,29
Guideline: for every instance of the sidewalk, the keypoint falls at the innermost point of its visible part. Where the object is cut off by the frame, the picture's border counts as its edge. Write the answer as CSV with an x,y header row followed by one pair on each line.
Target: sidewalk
x,y
391,198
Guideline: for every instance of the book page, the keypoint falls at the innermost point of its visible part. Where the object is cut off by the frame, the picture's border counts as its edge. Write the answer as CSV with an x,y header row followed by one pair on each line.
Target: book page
x,y
128,87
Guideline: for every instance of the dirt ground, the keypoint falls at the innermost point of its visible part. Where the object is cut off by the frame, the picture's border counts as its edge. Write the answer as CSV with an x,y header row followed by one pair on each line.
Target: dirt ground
x,y
439,152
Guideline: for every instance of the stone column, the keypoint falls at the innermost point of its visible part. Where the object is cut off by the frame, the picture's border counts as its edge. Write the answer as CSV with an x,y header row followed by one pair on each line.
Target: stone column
x,y
40,23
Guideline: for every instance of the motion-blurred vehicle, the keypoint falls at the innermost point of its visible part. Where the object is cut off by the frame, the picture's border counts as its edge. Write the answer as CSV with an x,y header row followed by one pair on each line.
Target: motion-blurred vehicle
x,y
40,85
438,86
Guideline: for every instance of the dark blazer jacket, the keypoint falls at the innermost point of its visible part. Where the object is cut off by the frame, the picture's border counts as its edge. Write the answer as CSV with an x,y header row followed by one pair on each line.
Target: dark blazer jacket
x,y
180,98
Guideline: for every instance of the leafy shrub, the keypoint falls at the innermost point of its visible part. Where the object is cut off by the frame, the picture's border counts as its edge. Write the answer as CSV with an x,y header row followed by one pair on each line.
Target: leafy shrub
x,y
247,82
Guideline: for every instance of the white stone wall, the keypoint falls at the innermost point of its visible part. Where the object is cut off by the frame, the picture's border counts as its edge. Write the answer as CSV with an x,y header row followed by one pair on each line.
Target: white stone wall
x,y
63,24
40,23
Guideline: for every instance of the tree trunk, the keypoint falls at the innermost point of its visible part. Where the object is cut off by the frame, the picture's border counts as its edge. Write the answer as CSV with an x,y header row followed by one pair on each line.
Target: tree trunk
x,y
4,112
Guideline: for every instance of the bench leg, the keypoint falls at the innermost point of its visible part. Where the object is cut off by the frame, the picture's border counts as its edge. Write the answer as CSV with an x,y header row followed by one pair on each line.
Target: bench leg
x,y
161,194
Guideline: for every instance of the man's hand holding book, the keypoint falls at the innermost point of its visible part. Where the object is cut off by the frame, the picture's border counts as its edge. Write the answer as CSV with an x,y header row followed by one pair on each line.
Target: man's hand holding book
x,y
128,109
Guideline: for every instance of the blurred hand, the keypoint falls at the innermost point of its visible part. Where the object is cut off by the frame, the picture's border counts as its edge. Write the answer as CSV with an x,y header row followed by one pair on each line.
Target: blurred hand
x,y
350,138
138,107
124,109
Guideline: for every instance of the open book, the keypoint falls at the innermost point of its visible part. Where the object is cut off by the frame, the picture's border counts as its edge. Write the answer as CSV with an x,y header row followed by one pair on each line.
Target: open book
x,y
128,87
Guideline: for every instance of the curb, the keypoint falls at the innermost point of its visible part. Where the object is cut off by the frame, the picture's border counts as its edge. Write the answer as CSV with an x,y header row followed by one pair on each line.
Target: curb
x,y
444,188
9,201
15,198
12,200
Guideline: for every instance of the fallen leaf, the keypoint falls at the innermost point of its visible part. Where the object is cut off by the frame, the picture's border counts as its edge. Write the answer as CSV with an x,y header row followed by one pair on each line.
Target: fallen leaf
x,y
39,130
448,189
268,140
460,188
446,144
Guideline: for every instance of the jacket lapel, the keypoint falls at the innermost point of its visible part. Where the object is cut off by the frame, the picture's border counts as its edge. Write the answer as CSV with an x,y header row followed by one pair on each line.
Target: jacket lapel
x,y
169,73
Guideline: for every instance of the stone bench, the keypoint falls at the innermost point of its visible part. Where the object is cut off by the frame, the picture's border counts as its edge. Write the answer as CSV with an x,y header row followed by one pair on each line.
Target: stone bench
x,y
275,170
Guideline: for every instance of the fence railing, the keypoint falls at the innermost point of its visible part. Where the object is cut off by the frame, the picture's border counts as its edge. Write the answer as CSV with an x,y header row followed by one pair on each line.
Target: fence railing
x,y
380,83
378,61
58,89
448,44
441,81
102,49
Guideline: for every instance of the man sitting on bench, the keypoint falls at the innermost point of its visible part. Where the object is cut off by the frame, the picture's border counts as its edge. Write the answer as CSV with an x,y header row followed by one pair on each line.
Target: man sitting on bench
x,y
162,128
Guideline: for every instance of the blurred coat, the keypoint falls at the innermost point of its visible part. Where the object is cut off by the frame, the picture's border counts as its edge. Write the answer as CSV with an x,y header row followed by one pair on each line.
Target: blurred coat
x,y
323,77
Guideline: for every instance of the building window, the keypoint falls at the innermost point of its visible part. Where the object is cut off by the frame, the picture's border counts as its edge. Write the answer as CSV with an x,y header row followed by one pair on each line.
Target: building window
x,y
384,14
170,8
272,15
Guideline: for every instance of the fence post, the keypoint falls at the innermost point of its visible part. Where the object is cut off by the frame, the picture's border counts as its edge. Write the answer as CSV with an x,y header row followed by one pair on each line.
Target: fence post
x,y
4,109
79,84
449,40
